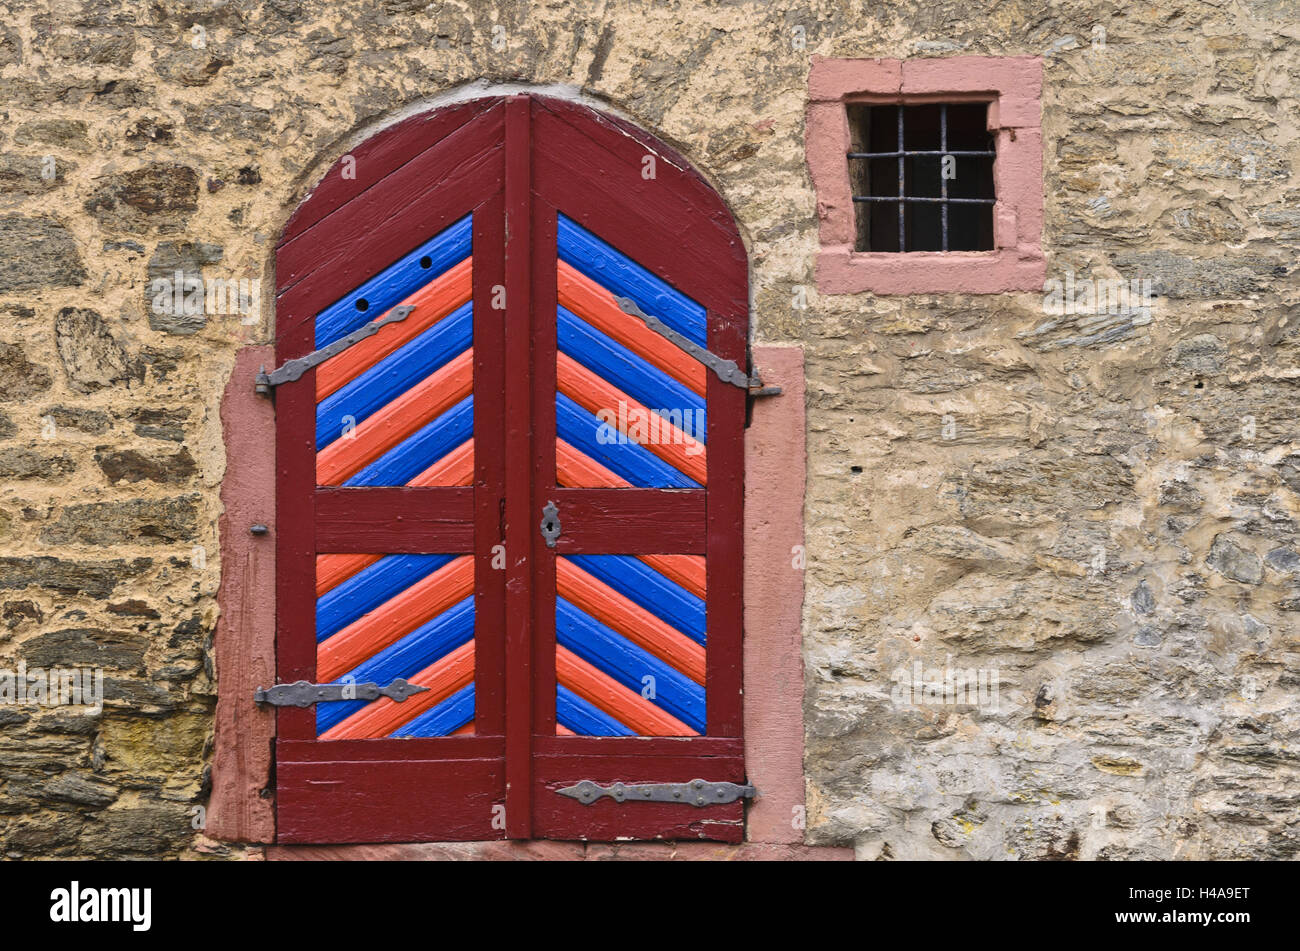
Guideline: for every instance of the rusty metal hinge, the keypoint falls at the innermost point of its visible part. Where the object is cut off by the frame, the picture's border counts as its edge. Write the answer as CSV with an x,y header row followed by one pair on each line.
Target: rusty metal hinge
x,y
304,694
727,370
295,368
697,792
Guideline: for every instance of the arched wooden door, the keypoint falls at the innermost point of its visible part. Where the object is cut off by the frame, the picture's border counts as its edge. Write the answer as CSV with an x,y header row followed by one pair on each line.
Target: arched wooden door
x,y
506,486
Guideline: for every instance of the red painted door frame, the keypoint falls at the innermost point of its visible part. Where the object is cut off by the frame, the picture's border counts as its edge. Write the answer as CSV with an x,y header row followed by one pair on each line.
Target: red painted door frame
x,y
516,164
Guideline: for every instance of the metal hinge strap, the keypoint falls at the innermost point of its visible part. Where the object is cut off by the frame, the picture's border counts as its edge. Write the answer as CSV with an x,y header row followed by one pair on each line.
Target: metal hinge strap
x,y
304,694
727,370
697,792
295,368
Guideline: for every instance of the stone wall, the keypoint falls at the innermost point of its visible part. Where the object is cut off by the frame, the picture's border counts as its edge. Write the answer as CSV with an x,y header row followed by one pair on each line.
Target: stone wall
x,y
1103,510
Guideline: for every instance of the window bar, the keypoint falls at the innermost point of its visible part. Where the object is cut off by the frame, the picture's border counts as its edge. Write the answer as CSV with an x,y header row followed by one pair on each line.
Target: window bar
x,y
972,152
902,155
951,201
943,180
902,240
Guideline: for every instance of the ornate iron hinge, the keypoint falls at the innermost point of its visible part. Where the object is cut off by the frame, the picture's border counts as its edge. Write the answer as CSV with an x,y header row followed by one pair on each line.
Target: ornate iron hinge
x,y
304,694
697,792
295,368
727,370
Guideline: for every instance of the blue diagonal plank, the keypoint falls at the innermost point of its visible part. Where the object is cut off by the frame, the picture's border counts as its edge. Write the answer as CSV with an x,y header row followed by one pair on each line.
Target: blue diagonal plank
x,y
394,283
447,717
633,462
635,376
622,276
406,658
369,588
584,718
628,663
421,449
394,375
634,579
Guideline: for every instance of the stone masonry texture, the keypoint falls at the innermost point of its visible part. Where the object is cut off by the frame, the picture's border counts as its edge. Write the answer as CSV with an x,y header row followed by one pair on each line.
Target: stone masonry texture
x,y
1101,508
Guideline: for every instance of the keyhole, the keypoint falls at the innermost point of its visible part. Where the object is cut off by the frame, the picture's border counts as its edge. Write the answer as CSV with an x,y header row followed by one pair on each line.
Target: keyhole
x,y
550,524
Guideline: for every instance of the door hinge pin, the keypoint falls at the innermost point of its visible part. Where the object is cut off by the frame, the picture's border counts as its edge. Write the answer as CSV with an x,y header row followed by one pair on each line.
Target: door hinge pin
x,y
295,368
304,694
697,792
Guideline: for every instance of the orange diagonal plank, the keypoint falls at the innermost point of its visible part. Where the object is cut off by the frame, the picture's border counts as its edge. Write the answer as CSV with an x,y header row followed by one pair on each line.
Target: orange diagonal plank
x,y
455,468
624,705
395,618
333,570
686,570
432,302
444,677
629,619
388,426
595,394
597,306
576,469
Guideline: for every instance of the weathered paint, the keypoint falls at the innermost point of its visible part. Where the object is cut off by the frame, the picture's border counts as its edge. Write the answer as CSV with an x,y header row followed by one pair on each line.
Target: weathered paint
x,y
596,599
629,664
397,773
245,636
620,274
403,612
386,428
432,303
631,420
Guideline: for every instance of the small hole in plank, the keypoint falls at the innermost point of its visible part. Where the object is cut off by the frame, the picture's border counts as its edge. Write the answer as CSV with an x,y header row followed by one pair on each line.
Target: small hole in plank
x,y
426,262
855,468
363,305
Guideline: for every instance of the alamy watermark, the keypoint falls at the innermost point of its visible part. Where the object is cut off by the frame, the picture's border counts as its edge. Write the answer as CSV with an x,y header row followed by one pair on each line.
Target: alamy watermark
x,y
1098,296
78,904
651,428
922,686
189,296
58,686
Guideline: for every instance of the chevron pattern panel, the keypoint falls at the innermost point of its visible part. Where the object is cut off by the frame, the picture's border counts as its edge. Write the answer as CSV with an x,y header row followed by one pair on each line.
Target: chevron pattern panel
x,y
630,405
397,408
630,645
384,616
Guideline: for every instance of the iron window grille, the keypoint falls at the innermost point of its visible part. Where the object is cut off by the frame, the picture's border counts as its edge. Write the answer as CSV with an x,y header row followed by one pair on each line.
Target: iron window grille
x,y
908,195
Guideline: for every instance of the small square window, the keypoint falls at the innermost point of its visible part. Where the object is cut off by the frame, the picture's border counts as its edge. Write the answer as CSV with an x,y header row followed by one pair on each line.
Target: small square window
x,y
879,133
921,176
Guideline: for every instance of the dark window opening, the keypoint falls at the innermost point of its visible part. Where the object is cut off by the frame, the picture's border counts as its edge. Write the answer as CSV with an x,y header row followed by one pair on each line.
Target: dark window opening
x,y
922,176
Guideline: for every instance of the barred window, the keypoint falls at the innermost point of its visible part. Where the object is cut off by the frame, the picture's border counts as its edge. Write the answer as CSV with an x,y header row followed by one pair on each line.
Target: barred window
x,y
922,176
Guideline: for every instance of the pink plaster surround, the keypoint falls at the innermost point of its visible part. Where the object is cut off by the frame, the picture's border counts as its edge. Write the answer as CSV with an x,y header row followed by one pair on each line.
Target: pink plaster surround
x,y
241,807
1012,85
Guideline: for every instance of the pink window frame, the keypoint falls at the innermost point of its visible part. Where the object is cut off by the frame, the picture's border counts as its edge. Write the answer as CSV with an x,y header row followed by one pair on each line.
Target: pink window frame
x,y
1012,85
